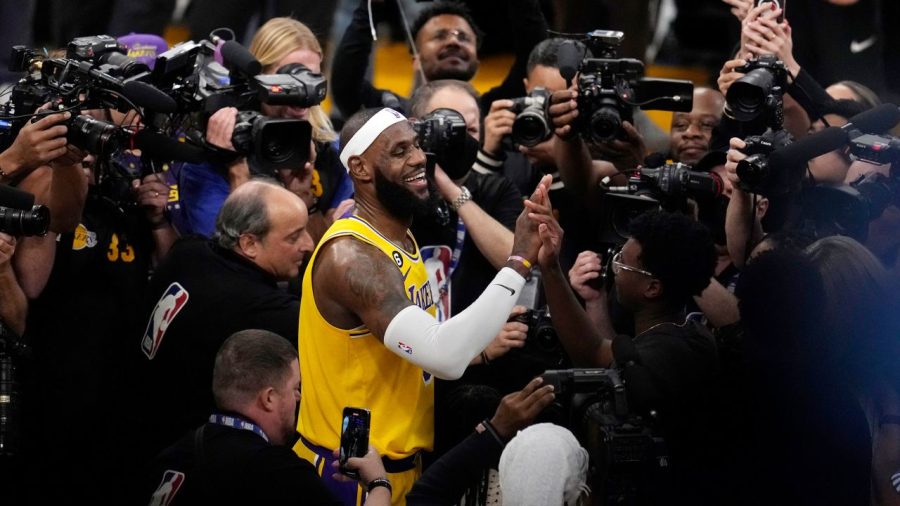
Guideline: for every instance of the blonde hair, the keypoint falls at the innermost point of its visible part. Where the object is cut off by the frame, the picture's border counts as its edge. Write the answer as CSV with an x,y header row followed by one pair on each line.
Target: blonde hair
x,y
280,37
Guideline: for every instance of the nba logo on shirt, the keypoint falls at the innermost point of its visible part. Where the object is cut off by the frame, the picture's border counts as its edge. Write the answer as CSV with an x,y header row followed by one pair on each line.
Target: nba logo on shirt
x,y
166,490
405,348
170,304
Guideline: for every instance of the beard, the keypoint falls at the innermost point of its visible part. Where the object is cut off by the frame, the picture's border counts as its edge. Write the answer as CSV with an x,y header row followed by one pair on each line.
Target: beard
x,y
455,73
400,202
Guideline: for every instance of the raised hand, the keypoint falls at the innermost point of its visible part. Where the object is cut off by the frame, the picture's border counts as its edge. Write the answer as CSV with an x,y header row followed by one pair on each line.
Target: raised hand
x,y
586,268
497,124
729,73
526,241
152,194
518,409
734,156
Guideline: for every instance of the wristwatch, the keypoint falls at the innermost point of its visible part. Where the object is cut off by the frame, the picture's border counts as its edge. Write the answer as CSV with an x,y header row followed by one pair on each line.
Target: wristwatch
x,y
463,197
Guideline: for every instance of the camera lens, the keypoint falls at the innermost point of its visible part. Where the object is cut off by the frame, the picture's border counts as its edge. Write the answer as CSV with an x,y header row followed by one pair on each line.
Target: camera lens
x,y
747,96
605,124
95,136
278,145
24,222
753,170
530,128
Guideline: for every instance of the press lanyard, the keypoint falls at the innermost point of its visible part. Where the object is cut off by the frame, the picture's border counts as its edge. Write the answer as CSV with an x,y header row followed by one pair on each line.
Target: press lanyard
x,y
457,250
237,423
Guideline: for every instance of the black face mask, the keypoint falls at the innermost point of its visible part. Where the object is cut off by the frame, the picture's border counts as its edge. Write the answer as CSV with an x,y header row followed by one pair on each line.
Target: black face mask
x,y
402,203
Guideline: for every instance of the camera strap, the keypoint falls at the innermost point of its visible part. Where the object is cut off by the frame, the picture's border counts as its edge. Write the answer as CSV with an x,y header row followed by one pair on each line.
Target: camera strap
x,y
237,423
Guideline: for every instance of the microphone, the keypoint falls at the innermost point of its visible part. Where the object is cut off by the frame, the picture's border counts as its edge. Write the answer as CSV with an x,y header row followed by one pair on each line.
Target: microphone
x,y
873,121
807,148
149,97
238,57
569,61
162,147
15,198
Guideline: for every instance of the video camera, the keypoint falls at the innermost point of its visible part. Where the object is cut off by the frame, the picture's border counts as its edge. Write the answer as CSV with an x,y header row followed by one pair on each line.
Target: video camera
x,y
442,135
848,209
93,75
610,88
199,85
670,180
668,186
628,456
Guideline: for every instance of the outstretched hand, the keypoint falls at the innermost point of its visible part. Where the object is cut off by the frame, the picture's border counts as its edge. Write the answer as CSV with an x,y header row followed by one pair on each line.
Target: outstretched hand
x,y
540,211
519,409
526,241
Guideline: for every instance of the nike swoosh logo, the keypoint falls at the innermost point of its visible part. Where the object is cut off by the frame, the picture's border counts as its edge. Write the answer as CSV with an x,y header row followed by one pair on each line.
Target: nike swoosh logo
x,y
406,274
511,291
859,47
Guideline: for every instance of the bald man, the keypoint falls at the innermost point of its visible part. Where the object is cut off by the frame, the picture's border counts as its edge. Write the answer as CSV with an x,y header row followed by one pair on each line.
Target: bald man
x,y
691,132
206,290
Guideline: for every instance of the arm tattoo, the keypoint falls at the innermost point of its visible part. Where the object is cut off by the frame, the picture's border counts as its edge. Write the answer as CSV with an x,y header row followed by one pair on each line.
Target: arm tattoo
x,y
366,283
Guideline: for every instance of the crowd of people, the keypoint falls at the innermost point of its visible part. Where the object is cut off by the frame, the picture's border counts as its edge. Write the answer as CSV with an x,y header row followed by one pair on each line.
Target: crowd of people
x,y
704,315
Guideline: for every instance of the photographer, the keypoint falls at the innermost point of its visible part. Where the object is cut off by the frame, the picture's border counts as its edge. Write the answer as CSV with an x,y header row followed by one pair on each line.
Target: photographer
x,y
762,35
487,208
446,479
447,41
322,183
96,277
671,359
568,161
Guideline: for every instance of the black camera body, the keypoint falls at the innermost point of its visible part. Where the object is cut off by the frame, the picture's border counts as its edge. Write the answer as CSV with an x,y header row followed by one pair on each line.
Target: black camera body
x,y
754,171
760,92
671,180
92,76
610,88
442,135
294,85
532,125
875,148
847,209
624,448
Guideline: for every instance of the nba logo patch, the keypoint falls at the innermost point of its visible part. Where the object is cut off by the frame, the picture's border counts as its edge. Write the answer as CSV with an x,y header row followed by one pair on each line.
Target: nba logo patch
x,y
170,304
405,348
166,490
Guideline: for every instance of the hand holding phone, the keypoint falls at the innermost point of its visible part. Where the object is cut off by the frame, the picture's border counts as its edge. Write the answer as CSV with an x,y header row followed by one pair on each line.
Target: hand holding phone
x,y
779,4
354,437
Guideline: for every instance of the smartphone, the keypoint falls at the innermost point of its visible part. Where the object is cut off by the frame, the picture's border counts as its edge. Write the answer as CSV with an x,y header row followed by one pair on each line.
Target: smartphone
x,y
781,4
354,437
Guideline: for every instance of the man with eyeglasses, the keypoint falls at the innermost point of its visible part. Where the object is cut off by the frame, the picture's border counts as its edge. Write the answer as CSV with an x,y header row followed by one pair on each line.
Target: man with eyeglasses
x,y
669,361
447,42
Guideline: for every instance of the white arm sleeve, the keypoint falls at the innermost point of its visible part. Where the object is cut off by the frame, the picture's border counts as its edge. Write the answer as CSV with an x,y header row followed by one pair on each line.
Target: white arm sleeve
x,y
445,349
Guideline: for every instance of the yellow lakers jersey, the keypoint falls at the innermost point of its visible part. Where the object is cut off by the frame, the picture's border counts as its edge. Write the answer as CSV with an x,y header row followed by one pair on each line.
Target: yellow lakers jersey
x,y
352,367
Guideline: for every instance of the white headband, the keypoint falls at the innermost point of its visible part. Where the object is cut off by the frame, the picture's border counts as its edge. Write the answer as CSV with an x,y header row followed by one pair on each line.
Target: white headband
x,y
366,135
